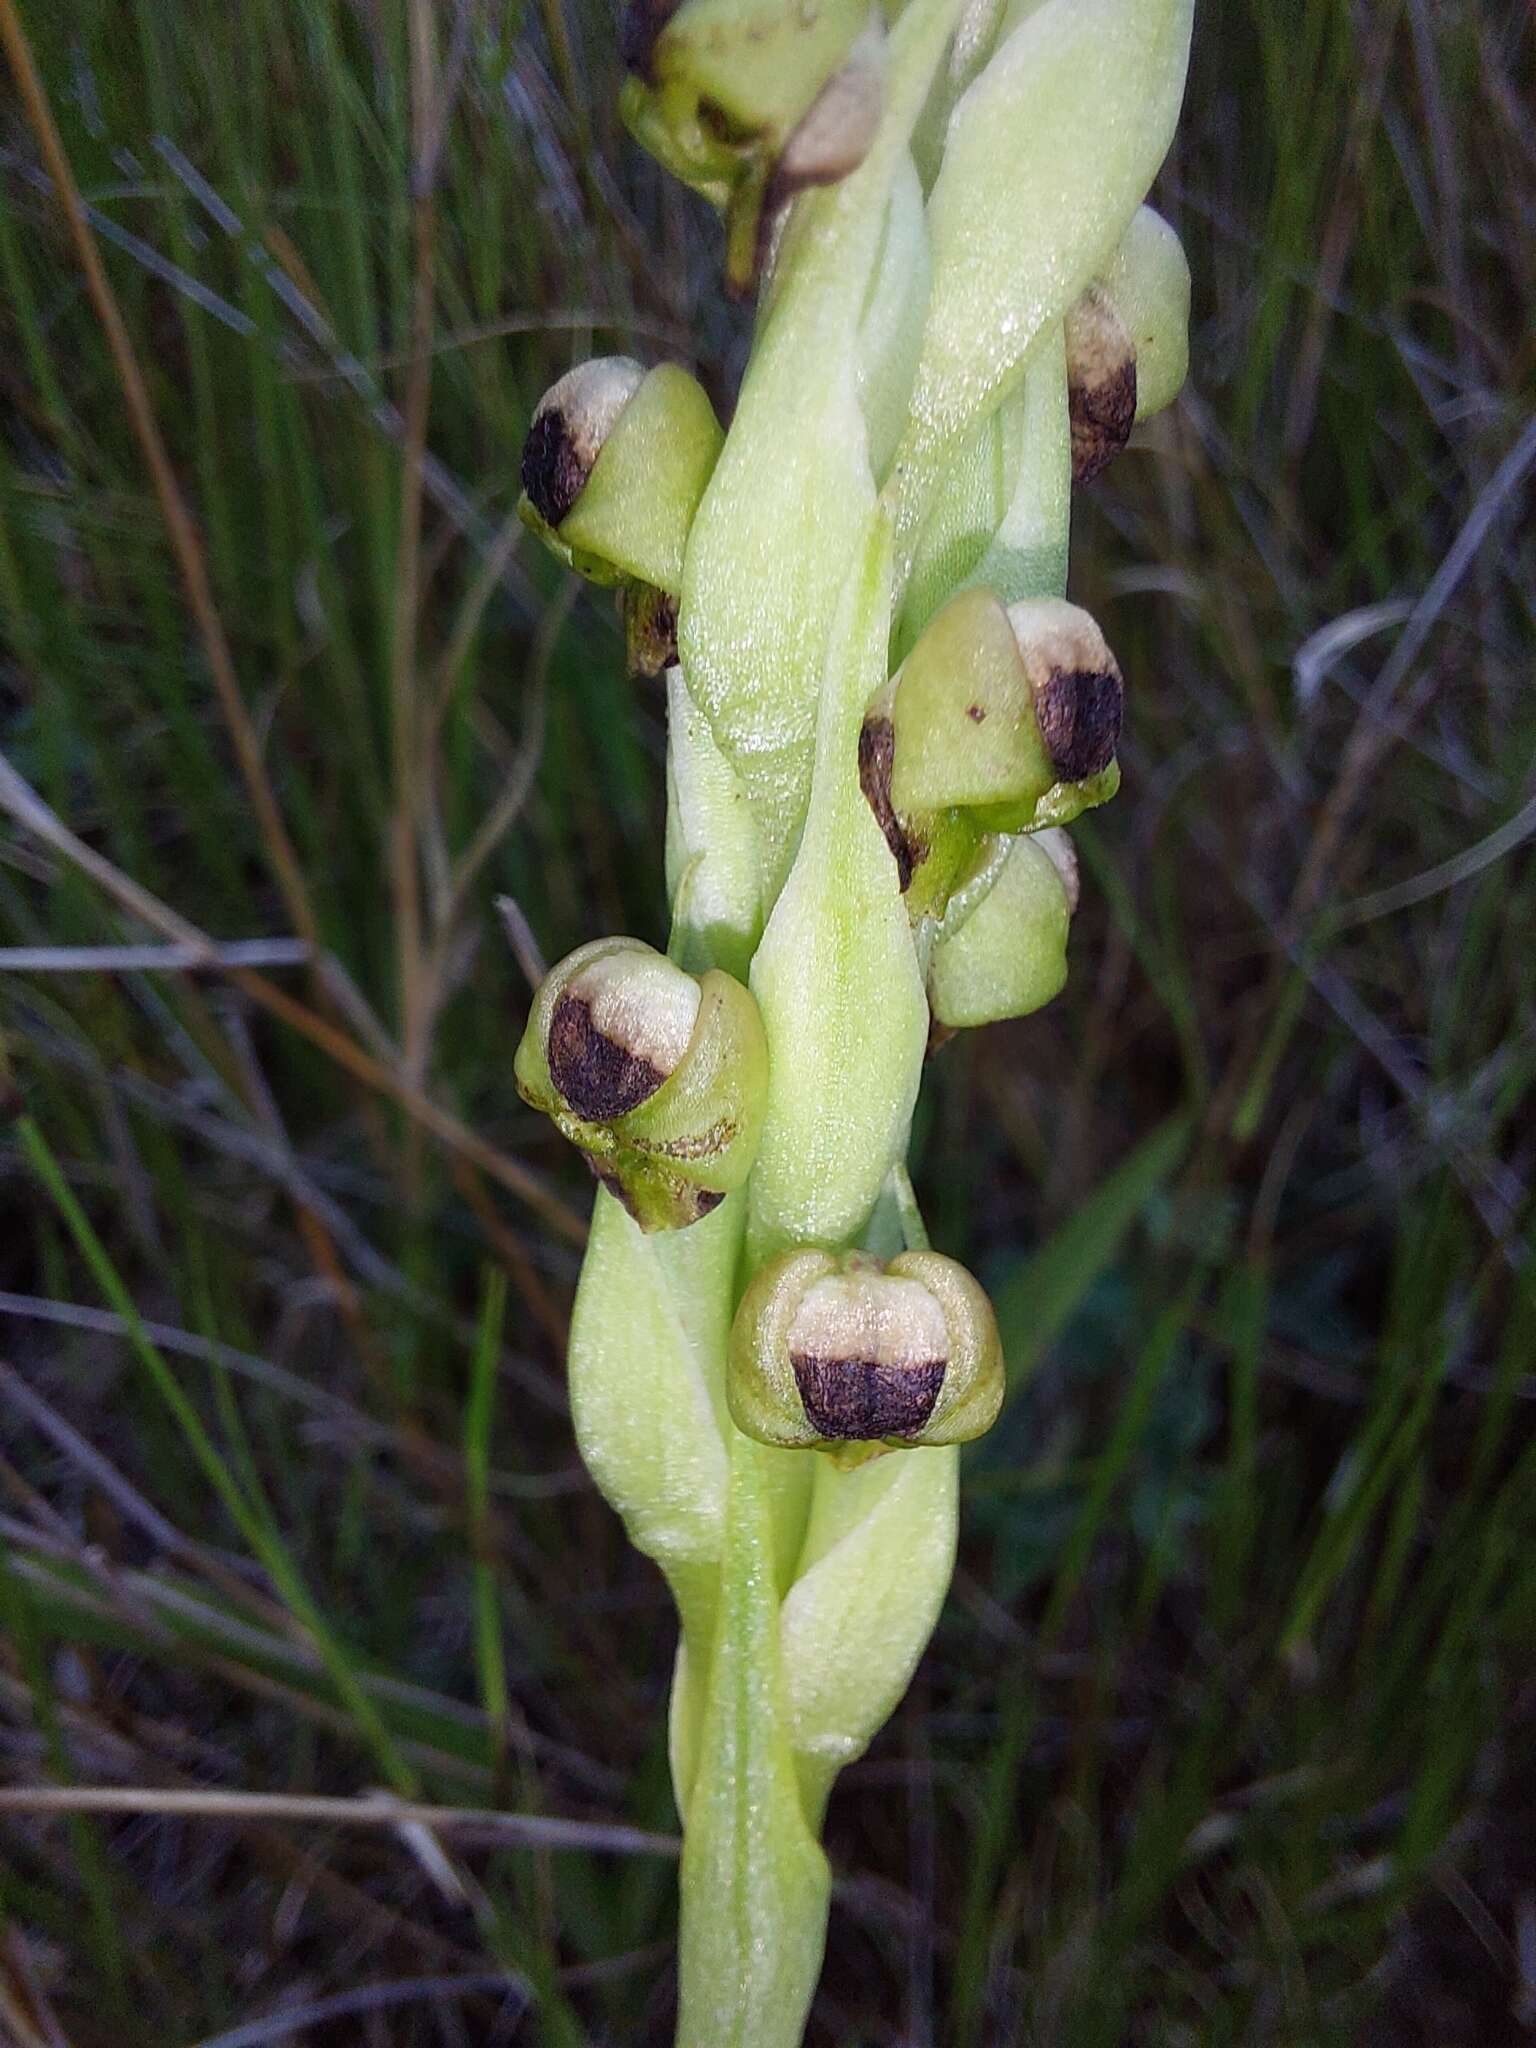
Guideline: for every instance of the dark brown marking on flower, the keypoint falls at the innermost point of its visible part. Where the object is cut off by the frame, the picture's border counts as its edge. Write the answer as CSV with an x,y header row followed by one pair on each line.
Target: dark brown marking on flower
x,y
1102,415
877,755
1079,711
976,713
861,1399
598,1078
1101,383
553,471
705,1200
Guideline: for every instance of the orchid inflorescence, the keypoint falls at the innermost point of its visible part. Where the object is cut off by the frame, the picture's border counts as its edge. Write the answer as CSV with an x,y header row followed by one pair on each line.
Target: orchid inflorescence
x,y
883,714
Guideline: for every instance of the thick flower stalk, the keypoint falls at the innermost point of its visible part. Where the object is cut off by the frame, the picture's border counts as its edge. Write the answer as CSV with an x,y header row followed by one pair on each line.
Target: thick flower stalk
x,y
882,715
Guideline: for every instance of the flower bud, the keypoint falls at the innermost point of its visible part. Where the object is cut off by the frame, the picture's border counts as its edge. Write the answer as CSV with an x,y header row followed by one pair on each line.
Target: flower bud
x,y
613,469
835,1353
750,104
1127,342
1010,715
1002,948
657,1076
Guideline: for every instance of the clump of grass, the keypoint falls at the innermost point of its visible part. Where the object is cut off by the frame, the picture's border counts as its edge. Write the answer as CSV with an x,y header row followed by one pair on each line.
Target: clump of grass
x,y
1239,1628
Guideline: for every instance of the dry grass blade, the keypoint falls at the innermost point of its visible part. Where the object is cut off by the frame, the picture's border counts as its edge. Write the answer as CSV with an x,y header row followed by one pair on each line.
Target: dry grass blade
x,y
468,1825
370,1998
151,959
22,802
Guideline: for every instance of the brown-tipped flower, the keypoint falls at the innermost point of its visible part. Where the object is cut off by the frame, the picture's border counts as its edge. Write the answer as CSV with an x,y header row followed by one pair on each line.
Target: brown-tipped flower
x,y
573,420
614,466
1101,382
751,105
841,1352
1078,690
1127,342
1000,720
619,1028
657,1076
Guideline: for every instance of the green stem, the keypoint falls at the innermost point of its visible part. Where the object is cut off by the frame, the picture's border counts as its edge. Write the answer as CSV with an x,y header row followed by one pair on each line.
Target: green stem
x,y
755,1885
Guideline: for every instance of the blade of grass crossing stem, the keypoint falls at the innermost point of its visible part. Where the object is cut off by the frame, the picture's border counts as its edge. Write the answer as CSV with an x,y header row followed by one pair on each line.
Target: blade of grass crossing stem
x,y
490,1660
252,1524
1040,1297
22,1628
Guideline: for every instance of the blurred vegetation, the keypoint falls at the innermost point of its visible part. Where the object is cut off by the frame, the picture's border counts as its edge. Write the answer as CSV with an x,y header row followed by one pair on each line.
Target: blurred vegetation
x,y
1227,1735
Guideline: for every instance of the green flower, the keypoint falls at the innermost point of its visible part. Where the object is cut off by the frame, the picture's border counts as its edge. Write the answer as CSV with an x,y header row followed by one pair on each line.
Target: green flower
x,y
657,1076
844,1354
613,468
1001,720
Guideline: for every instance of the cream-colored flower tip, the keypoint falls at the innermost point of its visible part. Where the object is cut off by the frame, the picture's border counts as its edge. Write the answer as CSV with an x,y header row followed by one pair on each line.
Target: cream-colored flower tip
x,y
574,418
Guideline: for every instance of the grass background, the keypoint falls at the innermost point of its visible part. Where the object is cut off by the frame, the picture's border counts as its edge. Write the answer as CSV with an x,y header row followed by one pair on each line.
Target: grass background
x,y
1227,1733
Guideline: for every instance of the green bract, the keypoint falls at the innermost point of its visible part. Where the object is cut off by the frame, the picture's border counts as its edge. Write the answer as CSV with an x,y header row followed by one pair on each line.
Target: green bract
x,y
840,1353
870,1580
652,1437
836,974
1046,157
658,1076
757,608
